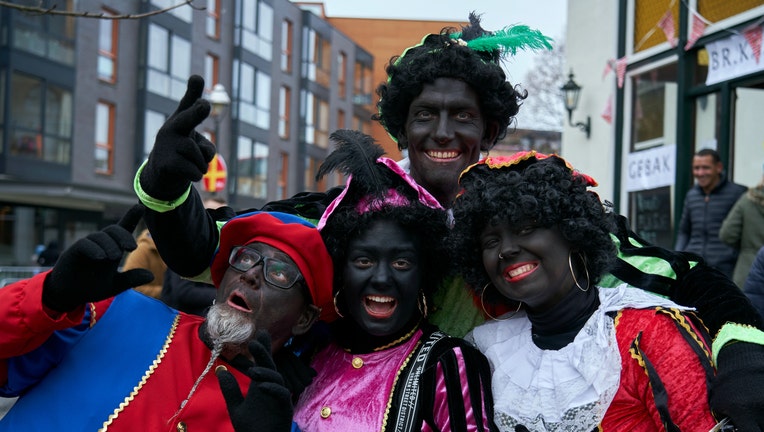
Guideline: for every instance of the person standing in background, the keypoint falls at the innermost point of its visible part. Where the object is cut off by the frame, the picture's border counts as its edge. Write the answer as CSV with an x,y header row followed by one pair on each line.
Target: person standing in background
x,y
146,256
754,283
743,229
706,205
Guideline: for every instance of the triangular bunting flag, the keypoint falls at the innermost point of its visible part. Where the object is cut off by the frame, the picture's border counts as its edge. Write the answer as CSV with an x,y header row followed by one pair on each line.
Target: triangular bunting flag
x,y
698,27
753,36
620,70
607,113
608,68
667,24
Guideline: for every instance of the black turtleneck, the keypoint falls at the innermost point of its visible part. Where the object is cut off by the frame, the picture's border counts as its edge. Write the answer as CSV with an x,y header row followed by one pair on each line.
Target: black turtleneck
x,y
558,326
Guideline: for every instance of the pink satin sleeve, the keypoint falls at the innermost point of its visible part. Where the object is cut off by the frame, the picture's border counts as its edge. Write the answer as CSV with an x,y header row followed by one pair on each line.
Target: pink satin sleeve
x,y
440,407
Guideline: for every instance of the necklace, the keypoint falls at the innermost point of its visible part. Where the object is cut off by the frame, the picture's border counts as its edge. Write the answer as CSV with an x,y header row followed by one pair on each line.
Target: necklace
x,y
399,340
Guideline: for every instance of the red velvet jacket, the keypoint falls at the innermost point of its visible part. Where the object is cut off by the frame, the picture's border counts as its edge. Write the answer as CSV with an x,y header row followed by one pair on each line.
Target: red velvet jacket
x,y
79,389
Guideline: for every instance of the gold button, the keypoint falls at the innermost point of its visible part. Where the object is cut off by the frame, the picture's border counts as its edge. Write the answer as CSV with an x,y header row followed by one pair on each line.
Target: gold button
x,y
326,412
220,368
357,362
181,427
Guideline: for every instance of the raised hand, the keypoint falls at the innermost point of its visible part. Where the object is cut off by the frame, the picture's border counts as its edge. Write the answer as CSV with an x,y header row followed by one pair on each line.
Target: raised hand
x,y
268,405
87,271
181,154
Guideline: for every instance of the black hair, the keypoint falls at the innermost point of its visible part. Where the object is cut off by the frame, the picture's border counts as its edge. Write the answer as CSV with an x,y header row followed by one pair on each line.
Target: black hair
x,y
545,191
710,152
439,56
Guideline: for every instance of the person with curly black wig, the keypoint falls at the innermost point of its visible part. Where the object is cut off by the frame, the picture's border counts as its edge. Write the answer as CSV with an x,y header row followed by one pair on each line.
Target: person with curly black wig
x,y
569,355
386,368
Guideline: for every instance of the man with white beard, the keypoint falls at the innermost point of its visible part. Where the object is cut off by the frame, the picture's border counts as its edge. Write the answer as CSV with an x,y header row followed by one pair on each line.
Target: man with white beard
x,y
82,351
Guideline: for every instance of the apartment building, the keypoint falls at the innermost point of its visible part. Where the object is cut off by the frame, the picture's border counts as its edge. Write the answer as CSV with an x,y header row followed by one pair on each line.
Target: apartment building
x,y
81,100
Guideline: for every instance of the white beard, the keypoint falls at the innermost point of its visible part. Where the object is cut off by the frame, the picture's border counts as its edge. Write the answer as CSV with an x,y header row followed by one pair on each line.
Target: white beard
x,y
228,327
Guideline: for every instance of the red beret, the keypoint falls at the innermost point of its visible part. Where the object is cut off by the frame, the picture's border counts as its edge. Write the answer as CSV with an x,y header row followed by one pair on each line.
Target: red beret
x,y
290,234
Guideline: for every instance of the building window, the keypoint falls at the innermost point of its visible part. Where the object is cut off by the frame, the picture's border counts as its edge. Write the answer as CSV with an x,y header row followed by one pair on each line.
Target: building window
x,y
256,28
252,168
362,84
213,19
342,60
285,96
311,169
341,119
283,186
211,71
316,63
287,46
316,120
183,13
41,115
104,138
153,121
654,108
169,63
360,125
46,35
254,95
108,37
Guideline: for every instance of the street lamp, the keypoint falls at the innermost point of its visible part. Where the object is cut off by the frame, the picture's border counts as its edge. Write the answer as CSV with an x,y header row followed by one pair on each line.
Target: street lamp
x,y
219,101
570,94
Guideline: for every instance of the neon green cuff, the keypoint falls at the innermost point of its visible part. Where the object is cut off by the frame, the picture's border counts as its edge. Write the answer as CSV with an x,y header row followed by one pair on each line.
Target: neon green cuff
x,y
159,206
736,332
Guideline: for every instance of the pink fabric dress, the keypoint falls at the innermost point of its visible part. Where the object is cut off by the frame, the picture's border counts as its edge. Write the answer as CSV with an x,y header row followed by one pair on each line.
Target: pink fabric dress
x,y
356,392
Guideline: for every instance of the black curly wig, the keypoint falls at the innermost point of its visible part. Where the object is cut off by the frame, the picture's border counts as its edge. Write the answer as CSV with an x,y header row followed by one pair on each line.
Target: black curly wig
x,y
438,56
546,191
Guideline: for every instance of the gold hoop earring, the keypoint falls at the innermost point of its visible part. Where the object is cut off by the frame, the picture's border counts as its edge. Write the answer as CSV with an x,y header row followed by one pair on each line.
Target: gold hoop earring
x,y
423,305
572,273
336,309
493,318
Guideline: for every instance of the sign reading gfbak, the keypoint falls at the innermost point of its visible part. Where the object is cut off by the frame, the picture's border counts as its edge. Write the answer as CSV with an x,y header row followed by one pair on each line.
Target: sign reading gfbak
x,y
732,57
650,169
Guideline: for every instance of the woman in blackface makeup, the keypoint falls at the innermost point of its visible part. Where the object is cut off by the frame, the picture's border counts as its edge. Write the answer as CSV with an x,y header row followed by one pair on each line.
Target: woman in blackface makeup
x,y
386,367
567,354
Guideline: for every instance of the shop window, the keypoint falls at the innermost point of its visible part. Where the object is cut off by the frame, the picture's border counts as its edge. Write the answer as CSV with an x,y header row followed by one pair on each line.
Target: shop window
x,y
654,106
647,14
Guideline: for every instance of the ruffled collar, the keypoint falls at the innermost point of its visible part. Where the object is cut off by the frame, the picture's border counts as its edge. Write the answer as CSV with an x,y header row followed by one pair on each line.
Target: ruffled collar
x,y
558,390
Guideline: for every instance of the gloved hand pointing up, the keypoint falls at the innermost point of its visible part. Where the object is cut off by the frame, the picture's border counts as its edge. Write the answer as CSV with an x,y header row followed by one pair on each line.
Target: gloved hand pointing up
x,y
181,154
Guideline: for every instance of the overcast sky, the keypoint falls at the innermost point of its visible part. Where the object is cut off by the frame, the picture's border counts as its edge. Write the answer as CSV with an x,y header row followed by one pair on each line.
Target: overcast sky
x,y
546,15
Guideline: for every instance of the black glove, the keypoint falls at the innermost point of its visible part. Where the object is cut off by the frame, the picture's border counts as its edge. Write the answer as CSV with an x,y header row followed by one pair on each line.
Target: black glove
x,y
268,405
87,271
296,373
181,154
736,391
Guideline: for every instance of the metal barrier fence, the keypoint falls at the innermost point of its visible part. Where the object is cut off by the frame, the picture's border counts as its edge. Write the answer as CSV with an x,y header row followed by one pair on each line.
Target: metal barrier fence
x,y
16,273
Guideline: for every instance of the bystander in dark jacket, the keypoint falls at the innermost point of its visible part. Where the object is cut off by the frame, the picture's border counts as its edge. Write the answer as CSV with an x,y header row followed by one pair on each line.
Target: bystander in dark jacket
x,y
705,207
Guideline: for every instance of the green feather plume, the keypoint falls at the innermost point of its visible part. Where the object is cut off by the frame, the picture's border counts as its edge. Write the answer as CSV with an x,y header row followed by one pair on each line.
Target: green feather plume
x,y
510,39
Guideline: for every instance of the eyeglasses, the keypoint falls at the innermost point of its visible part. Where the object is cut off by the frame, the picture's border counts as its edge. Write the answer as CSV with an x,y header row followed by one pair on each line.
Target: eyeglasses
x,y
278,273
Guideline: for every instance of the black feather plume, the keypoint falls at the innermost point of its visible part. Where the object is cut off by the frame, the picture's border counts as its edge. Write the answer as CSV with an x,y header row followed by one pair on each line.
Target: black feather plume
x,y
356,154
